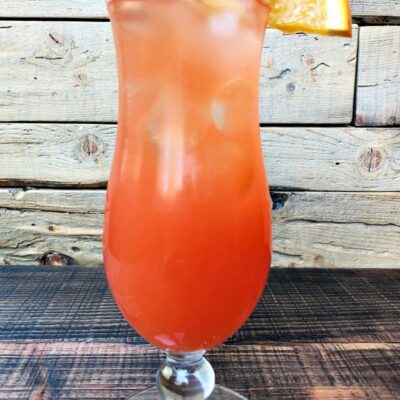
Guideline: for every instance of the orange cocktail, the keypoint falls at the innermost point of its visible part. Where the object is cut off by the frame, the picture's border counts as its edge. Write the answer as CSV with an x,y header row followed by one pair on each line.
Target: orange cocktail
x,y
188,223
187,241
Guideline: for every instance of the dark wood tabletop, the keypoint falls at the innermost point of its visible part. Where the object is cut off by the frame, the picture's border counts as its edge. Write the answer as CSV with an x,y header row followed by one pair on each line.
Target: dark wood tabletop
x,y
316,334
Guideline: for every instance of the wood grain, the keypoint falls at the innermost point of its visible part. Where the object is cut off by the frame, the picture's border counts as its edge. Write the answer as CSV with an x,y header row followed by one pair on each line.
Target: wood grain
x,y
321,159
45,304
66,222
303,76
62,154
378,8
59,71
295,372
378,83
316,335
54,8
335,159
318,229
65,71
97,9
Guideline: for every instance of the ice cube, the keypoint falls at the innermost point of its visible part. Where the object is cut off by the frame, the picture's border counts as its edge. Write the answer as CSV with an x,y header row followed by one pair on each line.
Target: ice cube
x,y
234,107
224,168
133,15
224,24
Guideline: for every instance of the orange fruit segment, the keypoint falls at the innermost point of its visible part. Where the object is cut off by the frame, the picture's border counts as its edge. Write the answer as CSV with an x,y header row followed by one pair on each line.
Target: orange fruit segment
x,y
324,17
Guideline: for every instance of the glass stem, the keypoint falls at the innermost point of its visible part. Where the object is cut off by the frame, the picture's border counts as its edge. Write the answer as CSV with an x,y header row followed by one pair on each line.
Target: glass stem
x,y
185,376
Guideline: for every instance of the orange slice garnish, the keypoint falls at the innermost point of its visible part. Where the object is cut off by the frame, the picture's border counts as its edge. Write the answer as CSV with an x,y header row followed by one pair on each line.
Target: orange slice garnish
x,y
324,17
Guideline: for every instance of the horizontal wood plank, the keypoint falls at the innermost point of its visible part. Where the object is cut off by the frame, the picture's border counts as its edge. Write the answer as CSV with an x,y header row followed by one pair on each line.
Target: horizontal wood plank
x,y
377,8
347,159
263,372
45,304
97,8
315,335
59,71
321,159
54,9
304,76
335,230
61,154
317,230
38,225
65,71
378,82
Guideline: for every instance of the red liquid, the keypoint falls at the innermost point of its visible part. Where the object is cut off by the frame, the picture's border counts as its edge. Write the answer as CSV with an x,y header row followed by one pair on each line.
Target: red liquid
x,y
187,243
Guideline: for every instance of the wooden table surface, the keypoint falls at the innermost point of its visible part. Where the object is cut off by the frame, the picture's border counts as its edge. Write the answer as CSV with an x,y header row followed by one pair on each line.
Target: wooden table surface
x,y
316,334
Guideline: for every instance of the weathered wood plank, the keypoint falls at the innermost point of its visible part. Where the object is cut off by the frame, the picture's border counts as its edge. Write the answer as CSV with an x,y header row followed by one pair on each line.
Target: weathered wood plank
x,y
32,225
59,154
378,83
62,201
58,71
335,230
54,8
375,8
269,372
307,79
65,71
302,306
312,235
347,159
97,8
334,159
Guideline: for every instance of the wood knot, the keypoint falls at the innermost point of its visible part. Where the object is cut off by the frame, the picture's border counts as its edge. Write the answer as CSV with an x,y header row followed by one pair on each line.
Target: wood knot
x,y
55,40
279,200
58,46
56,259
90,147
372,159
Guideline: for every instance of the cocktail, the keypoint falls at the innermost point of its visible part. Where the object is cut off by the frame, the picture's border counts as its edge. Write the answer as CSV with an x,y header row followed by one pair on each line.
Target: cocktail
x,y
187,240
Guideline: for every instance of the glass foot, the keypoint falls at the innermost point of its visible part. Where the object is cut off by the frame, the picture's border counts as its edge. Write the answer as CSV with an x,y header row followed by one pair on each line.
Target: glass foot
x,y
219,393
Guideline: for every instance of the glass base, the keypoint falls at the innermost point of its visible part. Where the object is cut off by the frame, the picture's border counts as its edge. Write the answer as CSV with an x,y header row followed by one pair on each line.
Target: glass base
x,y
219,393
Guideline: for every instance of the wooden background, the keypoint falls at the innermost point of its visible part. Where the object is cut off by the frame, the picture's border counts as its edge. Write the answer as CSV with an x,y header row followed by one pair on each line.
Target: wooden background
x,y
330,115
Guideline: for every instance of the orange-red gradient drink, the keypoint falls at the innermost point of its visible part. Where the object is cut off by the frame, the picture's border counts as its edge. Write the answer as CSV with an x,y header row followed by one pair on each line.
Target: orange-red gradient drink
x,y
187,241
